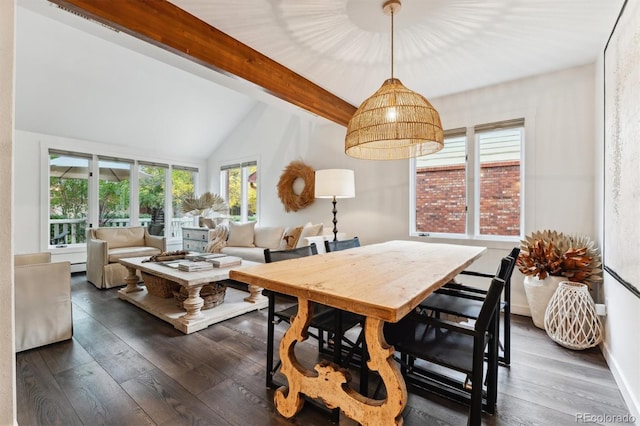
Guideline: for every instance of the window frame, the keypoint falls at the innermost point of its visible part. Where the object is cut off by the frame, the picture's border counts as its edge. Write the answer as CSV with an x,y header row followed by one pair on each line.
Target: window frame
x,y
244,181
93,192
472,173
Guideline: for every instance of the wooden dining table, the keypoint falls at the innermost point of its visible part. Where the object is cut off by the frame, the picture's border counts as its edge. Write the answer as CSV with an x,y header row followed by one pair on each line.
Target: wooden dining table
x,y
382,282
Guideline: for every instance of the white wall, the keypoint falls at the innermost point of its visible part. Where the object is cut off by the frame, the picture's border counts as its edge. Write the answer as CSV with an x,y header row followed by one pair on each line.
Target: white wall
x,y
621,344
7,346
559,162
275,138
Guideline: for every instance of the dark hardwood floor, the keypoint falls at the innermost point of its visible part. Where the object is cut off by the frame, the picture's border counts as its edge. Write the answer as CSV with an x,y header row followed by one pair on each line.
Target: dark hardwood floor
x,y
126,367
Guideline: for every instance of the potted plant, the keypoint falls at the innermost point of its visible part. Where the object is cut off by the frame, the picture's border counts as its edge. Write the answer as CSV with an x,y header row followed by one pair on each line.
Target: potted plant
x,y
206,205
549,257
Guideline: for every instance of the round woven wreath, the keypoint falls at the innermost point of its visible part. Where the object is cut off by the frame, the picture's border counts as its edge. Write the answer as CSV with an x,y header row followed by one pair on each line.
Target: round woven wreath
x,y
291,200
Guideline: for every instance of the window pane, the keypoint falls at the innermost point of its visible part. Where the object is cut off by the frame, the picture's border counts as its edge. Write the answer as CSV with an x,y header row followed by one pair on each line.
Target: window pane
x,y
441,189
151,198
68,199
183,185
252,193
500,182
233,178
114,192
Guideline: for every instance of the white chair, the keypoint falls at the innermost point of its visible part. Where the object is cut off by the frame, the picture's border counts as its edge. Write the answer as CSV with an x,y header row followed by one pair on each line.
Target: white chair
x,y
42,301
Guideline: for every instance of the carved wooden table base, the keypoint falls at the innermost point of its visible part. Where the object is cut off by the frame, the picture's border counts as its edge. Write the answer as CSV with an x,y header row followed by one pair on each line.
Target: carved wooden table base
x,y
330,383
132,280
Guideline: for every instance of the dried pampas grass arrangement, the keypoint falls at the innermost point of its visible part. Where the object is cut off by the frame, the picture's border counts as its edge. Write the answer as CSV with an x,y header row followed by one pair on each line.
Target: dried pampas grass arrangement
x,y
204,203
291,200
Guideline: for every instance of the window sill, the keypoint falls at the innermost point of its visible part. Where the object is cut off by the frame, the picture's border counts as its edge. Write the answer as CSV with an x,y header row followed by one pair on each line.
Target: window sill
x,y
502,243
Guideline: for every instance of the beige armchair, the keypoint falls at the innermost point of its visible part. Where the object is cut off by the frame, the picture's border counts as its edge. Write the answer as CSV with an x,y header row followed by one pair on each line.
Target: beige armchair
x,y
42,301
105,246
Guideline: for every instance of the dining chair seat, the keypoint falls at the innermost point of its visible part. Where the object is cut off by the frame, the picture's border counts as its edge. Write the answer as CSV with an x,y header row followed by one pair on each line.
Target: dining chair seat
x,y
423,341
463,300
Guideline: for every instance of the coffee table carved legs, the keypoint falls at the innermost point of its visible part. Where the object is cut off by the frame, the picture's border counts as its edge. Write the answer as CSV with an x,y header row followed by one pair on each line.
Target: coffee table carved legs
x,y
255,294
193,305
132,281
328,381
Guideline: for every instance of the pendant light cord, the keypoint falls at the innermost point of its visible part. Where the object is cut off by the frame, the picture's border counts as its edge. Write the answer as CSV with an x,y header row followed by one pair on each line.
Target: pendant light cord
x,y
392,42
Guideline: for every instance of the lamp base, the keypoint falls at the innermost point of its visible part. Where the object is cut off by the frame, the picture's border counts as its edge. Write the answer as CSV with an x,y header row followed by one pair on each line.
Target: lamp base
x,y
335,221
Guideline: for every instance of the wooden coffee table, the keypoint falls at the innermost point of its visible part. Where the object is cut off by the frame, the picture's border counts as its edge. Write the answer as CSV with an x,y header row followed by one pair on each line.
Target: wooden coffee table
x,y
236,302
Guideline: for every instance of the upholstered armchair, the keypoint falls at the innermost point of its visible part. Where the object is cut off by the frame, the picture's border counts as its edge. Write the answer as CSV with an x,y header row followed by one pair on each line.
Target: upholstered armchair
x,y
105,246
42,301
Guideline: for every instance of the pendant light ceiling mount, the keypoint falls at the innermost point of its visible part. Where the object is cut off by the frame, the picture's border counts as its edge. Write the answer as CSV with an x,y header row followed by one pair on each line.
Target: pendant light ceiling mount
x,y
391,7
394,123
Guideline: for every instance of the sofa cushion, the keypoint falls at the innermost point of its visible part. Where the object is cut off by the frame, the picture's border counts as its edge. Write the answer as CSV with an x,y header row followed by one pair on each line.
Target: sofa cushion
x,y
309,230
127,252
121,237
290,238
241,234
254,254
268,236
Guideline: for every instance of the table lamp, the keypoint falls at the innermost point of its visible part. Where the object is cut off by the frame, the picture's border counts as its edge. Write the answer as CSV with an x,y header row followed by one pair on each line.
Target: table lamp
x,y
335,183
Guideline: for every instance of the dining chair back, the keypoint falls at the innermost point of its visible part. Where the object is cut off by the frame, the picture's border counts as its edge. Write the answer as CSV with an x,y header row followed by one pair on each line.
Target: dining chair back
x,y
275,317
423,341
355,350
463,300
330,246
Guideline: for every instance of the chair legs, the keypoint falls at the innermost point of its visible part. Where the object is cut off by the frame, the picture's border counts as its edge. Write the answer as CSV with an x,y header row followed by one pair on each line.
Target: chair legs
x,y
505,359
270,338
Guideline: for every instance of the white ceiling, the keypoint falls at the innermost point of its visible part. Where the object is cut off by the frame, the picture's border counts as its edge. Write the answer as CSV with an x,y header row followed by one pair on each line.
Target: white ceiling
x,y
72,82
441,46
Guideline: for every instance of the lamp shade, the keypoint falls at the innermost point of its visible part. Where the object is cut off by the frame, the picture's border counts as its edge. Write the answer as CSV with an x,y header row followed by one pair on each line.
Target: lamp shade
x,y
394,123
339,183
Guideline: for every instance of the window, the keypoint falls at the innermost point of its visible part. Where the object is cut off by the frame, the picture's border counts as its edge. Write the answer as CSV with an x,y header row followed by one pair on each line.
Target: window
x,y
126,193
183,184
441,187
239,187
114,189
68,197
499,181
151,196
472,187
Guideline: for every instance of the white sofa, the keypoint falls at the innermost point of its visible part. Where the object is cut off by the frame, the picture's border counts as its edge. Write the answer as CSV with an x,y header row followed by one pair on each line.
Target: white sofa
x,y
42,301
106,245
248,240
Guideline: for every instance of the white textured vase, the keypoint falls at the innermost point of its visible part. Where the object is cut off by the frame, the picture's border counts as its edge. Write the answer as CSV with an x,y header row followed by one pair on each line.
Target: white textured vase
x,y
539,293
196,220
571,319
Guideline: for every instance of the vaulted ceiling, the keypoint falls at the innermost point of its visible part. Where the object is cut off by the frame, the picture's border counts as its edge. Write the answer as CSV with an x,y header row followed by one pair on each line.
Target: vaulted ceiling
x,y
75,77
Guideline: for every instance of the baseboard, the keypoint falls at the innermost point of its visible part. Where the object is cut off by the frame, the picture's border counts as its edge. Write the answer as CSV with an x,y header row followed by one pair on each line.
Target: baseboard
x,y
521,310
632,403
78,267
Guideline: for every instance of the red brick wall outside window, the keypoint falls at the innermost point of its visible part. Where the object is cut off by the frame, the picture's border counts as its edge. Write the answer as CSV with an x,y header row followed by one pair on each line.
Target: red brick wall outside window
x,y
440,199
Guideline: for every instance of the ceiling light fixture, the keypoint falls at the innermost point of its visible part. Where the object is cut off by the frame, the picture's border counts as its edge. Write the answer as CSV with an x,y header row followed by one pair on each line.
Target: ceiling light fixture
x,y
395,122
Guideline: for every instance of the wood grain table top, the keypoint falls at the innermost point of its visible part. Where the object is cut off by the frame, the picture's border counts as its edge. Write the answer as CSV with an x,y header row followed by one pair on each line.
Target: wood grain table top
x,y
385,280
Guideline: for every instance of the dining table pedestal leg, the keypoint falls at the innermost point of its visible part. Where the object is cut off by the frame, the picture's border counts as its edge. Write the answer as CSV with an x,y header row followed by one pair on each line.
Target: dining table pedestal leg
x,y
328,380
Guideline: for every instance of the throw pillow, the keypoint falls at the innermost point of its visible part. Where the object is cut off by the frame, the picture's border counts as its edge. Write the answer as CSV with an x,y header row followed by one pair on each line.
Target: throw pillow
x,y
290,238
268,236
309,230
241,234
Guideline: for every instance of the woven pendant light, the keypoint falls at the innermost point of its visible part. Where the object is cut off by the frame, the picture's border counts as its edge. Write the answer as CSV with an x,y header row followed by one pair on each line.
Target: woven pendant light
x,y
395,122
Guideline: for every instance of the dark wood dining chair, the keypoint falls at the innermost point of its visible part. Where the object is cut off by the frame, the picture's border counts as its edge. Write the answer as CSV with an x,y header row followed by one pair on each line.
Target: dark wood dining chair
x,y
346,351
275,317
455,346
330,246
464,300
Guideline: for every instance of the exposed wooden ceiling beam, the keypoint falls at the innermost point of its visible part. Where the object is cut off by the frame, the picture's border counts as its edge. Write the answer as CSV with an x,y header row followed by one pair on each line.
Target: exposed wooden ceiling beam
x,y
165,25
